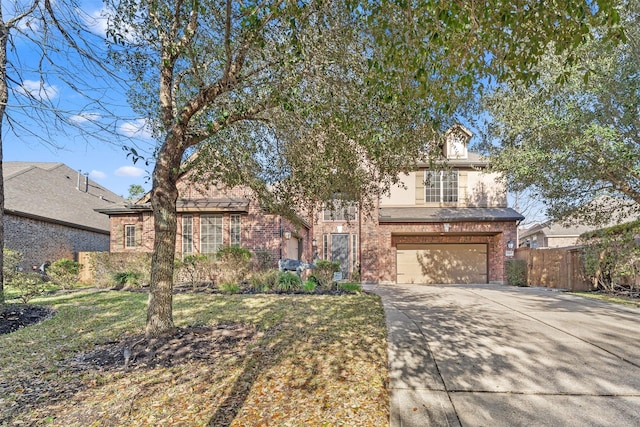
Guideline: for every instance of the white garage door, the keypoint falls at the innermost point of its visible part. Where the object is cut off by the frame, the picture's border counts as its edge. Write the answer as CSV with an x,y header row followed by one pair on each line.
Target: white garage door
x,y
441,263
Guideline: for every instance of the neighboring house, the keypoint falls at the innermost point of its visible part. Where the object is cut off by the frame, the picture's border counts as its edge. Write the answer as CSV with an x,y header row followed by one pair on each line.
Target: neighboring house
x,y
49,212
551,234
208,219
440,226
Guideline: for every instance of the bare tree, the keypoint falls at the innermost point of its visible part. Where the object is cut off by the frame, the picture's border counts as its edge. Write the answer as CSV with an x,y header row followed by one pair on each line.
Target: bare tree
x,y
42,41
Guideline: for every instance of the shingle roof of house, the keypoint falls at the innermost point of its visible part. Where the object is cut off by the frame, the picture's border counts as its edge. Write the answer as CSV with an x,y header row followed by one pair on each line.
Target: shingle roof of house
x,y
551,228
473,160
48,191
426,214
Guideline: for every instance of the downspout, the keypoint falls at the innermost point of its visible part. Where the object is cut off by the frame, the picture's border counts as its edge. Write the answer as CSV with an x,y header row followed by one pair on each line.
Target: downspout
x,y
359,263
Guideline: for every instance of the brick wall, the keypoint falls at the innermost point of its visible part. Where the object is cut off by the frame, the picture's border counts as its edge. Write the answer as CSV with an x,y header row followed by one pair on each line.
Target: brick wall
x,y
259,231
41,241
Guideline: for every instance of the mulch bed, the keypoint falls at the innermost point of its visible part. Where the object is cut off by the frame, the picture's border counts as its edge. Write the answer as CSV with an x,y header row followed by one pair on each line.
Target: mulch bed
x,y
185,344
16,316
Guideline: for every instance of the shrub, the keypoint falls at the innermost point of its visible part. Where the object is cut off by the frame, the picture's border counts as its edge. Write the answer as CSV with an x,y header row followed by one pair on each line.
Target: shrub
x,y
64,273
611,257
264,281
288,281
11,263
233,262
29,285
192,268
262,260
324,270
350,287
355,275
230,288
105,265
516,270
127,279
309,286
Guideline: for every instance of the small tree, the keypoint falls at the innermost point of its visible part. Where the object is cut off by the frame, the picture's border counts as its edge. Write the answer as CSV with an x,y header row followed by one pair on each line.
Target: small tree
x,y
64,272
11,264
135,192
28,284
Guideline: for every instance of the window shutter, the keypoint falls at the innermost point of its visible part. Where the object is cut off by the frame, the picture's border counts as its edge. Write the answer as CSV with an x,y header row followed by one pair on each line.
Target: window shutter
x,y
420,177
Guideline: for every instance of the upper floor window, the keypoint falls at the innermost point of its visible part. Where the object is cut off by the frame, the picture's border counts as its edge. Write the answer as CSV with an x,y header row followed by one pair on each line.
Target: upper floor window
x,y
211,234
187,234
129,236
341,211
234,230
441,186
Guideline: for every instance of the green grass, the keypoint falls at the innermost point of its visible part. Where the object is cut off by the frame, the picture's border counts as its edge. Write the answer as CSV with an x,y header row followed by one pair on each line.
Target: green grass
x,y
316,360
630,302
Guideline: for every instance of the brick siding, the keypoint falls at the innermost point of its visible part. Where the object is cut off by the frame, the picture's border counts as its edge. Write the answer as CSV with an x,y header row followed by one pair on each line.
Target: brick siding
x,y
259,231
41,241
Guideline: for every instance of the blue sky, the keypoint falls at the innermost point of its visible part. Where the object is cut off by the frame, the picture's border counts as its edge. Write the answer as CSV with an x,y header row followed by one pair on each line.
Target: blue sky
x,y
84,144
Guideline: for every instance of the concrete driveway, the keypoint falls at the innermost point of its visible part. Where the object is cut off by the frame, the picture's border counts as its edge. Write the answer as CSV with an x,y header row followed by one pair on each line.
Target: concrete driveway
x,y
491,355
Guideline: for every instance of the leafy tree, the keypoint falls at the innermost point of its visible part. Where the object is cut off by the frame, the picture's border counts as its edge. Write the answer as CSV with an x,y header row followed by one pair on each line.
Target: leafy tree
x,y
573,137
136,191
303,100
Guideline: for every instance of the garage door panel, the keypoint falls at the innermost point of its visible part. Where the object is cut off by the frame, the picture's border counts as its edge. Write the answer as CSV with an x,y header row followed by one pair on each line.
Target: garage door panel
x,y
442,263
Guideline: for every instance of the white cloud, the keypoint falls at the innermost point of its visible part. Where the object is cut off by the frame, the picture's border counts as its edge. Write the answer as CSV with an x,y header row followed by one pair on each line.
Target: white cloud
x,y
84,117
137,128
29,25
94,174
129,171
39,90
97,21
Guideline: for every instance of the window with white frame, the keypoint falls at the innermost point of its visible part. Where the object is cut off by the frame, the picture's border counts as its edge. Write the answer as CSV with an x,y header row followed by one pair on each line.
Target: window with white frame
x,y
187,234
441,186
340,211
211,235
354,252
129,236
234,230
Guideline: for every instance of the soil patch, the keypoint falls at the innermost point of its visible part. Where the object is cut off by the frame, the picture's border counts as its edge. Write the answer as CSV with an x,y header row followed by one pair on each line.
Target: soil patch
x,y
14,317
185,344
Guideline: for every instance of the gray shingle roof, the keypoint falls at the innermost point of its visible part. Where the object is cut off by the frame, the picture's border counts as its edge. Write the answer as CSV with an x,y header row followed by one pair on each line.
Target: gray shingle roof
x,y
48,191
425,214
474,160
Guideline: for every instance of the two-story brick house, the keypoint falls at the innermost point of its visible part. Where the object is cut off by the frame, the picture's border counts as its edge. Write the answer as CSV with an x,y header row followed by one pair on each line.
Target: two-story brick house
x,y
447,225
441,226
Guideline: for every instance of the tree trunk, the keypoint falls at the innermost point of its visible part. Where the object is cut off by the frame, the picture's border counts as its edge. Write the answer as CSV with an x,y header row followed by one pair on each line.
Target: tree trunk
x,y
163,201
4,97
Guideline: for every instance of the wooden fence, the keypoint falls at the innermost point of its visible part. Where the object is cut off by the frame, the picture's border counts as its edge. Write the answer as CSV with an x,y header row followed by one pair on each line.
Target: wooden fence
x,y
554,268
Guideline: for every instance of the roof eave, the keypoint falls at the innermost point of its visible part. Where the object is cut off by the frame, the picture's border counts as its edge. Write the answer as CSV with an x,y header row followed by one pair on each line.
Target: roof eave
x,y
58,222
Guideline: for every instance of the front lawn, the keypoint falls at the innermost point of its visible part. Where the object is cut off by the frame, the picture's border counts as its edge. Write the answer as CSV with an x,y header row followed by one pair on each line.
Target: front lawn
x,y
268,360
617,299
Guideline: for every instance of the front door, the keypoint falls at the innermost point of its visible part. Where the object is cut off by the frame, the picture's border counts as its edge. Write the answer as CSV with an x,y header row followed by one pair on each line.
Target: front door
x,y
340,252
